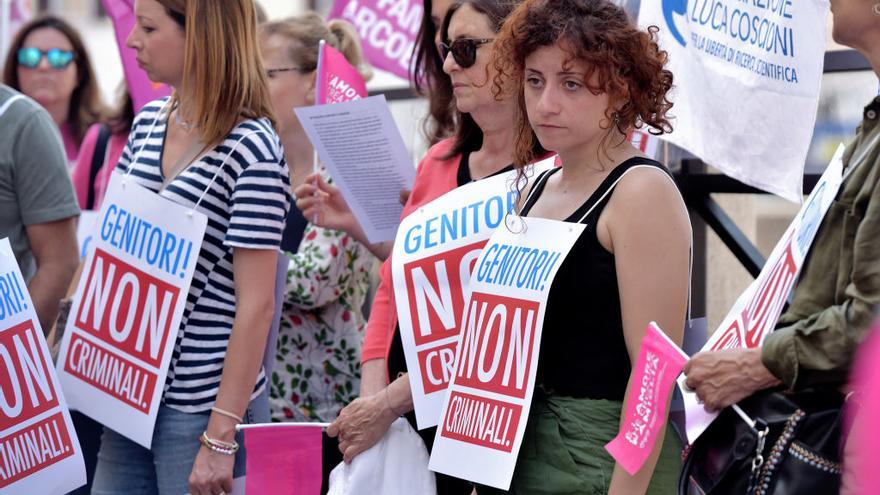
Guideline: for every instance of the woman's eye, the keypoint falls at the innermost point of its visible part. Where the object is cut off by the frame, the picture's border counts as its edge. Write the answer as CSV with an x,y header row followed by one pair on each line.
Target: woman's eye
x,y
572,85
533,82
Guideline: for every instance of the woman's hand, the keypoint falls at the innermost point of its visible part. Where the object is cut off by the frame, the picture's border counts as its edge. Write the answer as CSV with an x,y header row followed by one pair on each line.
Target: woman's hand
x,y
323,205
362,424
211,473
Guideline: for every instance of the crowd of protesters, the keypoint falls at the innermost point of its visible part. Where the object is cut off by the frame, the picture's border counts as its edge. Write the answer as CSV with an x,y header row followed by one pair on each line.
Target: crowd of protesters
x,y
275,328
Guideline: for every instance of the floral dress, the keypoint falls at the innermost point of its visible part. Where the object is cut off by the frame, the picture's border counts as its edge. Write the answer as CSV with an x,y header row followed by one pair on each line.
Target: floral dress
x,y
317,369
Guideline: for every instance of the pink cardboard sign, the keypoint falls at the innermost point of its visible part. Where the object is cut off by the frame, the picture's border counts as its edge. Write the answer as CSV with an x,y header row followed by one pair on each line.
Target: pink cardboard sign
x,y
283,459
660,362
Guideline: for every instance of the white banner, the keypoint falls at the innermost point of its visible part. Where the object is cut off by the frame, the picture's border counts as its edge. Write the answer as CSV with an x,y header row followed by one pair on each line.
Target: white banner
x,y
746,78
434,253
39,451
756,311
485,413
128,307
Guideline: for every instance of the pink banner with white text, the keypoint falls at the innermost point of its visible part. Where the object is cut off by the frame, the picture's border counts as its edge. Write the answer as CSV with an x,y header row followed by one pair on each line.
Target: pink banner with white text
x,y
387,28
337,81
660,361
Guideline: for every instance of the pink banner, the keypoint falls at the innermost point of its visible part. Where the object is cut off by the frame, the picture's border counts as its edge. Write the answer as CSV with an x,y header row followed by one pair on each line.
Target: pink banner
x,y
337,81
863,448
387,29
660,361
142,90
283,459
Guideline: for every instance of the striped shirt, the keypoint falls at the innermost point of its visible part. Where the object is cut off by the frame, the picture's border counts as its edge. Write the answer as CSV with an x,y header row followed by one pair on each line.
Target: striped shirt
x,y
246,199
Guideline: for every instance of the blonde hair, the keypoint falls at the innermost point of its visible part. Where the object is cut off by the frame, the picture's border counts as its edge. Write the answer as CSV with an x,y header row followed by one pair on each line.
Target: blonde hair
x,y
306,31
223,71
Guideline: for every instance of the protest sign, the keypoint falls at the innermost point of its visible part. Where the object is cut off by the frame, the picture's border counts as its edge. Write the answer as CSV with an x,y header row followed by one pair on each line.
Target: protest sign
x,y
747,78
660,362
484,414
141,89
387,28
757,309
337,81
85,231
360,145
39,450
128,308
434,254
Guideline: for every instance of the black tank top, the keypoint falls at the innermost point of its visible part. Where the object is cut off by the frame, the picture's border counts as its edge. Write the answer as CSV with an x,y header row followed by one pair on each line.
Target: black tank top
x,y
583,352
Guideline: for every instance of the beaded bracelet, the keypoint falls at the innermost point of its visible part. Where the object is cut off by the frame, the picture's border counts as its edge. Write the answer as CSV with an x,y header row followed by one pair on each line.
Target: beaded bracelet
x,y
221,447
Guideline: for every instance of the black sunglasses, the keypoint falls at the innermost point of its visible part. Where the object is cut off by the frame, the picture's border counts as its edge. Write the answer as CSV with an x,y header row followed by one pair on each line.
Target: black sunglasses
x,y
464,50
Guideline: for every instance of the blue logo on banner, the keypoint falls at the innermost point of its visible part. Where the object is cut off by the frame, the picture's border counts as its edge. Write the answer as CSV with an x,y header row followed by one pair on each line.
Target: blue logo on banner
x,y
670,8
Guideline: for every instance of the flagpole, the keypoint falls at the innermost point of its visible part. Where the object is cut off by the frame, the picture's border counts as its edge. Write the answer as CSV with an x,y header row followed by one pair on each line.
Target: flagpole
x,y
275,425
320,98
5,26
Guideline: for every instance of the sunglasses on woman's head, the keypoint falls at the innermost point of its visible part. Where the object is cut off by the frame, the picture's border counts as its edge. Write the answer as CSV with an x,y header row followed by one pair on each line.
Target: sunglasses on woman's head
x,y
58,59
463,50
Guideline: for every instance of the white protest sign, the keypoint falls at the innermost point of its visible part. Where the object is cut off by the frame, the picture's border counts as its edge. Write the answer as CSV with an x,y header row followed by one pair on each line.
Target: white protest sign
x,y
85,230
756,311
485,412
362,148
747,77
128,307
434,254
39,450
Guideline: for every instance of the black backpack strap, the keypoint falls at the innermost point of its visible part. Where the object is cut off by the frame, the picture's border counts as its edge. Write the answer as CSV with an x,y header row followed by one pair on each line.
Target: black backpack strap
x,y
99,156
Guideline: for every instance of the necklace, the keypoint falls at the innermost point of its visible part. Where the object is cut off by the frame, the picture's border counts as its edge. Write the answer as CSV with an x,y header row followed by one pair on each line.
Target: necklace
x,y
186,126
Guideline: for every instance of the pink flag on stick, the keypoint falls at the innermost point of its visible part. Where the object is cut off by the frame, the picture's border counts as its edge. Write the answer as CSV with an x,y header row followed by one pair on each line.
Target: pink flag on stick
x,y
283,459
337,80
660,362
141,89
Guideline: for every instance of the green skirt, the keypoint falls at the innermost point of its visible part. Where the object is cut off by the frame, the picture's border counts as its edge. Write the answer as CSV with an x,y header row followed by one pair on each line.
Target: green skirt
x,y
563,450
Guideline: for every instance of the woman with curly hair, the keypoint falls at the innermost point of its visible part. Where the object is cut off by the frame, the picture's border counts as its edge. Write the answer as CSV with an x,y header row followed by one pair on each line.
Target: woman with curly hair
x,y
586,76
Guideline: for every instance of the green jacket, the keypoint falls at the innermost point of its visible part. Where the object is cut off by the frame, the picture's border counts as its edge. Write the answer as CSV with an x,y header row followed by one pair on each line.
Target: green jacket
x,y
839,288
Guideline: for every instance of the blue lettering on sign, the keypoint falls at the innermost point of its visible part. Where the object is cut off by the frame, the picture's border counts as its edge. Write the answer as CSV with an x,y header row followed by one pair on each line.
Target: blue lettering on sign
x,y
516,266
670,8
459,223
145,241
12,295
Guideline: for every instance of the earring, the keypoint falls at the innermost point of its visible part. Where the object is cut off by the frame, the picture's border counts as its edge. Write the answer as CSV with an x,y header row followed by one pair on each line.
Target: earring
x,y
615,119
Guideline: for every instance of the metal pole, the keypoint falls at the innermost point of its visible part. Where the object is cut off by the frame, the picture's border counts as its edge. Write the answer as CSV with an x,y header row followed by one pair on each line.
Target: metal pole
x,y
5,26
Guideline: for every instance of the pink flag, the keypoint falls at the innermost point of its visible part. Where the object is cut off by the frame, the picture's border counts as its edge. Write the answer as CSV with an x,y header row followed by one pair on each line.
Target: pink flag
x,y
283,459
660,362
337,81
863,442
387,29
141,89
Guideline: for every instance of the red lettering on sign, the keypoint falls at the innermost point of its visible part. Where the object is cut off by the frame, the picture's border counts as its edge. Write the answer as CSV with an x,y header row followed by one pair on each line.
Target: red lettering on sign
x,y
434,287
437,365
127,308
481,421
26,388
110,373
497,337
34,448
760,315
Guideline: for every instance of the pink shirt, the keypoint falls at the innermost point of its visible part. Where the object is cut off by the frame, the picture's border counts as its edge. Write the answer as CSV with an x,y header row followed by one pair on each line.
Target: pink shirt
x,y
80,174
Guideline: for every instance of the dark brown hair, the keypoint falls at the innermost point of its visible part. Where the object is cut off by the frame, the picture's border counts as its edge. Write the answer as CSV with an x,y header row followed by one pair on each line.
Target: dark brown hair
x,y
622,61
468,135
85,107
429,80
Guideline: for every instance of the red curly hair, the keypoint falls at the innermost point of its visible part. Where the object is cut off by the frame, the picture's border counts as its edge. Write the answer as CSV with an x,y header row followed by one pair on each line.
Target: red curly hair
x,y
622,61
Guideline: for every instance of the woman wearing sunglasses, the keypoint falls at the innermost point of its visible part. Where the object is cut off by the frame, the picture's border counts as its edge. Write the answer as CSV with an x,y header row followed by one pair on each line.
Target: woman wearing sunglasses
x,y
48,62
482,146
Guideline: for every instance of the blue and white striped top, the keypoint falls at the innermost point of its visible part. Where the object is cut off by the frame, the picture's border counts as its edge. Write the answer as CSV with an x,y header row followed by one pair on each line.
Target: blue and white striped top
x,y
246,206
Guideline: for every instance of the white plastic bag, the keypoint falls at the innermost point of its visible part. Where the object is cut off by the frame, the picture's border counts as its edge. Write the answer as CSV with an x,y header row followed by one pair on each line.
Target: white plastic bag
x,y
397,465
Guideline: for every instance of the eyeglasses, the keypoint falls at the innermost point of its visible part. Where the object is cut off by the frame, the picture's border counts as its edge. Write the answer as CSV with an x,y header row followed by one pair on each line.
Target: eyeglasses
x,y
272,72
464,50
30,57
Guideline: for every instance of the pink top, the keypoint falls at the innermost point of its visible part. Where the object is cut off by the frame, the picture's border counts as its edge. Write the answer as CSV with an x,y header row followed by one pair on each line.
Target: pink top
x,y
71,148
80,174
434,178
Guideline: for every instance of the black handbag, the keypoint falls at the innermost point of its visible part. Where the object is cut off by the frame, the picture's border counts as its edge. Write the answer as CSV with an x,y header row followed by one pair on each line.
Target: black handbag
x,y
784,443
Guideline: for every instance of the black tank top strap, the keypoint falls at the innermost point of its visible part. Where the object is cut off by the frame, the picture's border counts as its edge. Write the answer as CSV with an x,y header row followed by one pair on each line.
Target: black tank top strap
x,y
536,191
594,205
